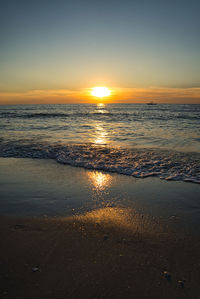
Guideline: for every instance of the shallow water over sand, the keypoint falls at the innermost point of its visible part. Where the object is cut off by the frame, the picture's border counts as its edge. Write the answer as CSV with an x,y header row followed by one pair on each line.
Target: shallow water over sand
x,y
43,187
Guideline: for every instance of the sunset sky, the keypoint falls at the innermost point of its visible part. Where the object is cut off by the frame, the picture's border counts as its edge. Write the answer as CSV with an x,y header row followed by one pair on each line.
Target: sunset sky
x,y
56,51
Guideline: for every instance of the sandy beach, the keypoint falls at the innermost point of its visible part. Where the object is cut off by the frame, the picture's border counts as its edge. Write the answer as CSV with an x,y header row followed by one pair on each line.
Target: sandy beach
x,y
99,255
68,232
100,149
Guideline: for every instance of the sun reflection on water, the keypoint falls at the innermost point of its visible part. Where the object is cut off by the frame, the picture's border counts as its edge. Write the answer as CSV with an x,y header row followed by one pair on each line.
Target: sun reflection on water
x,y
100,105
100,135
101,108
100,180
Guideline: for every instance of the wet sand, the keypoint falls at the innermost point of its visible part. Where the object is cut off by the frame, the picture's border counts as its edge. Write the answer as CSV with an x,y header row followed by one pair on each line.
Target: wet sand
x,y
102,254
37,187
124,234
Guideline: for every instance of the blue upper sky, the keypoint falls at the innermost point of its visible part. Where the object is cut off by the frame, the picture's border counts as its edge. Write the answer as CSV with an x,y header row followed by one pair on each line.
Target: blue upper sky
x,y
74,44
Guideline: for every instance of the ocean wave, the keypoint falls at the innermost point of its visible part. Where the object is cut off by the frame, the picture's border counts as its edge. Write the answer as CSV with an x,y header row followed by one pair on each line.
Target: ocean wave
x,y
111,116
31,115
168,165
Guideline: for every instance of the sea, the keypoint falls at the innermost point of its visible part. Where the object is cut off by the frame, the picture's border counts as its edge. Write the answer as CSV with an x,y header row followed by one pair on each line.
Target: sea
x,y
139,140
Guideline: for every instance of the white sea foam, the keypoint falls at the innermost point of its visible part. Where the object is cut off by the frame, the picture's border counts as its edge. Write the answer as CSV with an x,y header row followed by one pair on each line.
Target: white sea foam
x,y
168,165
135,140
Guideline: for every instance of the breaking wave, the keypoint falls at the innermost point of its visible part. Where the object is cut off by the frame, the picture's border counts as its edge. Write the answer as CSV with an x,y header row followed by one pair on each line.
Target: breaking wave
x,y
168,165
111,115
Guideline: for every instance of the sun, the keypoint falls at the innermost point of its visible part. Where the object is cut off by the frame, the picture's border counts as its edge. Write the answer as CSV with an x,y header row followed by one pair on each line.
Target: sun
x,y
100,92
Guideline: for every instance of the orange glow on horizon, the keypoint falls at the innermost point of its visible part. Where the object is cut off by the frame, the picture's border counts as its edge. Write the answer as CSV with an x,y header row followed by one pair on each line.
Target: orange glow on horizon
x,y
117,95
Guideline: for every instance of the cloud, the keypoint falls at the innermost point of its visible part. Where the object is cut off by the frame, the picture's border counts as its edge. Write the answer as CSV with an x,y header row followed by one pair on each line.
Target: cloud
x,y
118,95
40,97
159,95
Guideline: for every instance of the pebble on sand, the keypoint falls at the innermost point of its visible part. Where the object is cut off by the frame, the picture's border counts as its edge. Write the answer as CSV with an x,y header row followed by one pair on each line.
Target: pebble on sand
x,y
167,275
35,268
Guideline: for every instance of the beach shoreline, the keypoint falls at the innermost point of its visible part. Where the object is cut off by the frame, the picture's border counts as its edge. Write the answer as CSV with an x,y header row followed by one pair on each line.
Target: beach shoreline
x,y
38,187
111,236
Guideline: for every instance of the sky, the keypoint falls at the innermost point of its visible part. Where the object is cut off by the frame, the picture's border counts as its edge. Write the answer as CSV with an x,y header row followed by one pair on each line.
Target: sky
x,y
56,51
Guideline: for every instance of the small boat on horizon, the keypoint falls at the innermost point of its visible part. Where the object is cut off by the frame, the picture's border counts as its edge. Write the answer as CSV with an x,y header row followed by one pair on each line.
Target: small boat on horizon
x,y
151,103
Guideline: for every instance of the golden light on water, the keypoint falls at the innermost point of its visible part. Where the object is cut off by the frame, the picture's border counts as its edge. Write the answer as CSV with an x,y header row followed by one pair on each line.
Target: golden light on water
x,y
101,134
100,105
100,92
100,180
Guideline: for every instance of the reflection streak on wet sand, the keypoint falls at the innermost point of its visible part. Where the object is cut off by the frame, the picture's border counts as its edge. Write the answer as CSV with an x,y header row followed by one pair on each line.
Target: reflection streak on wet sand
x,y
122,219
100,180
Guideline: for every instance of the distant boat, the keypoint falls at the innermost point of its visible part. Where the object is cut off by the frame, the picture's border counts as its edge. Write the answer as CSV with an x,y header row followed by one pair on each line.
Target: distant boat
x,y
151,103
